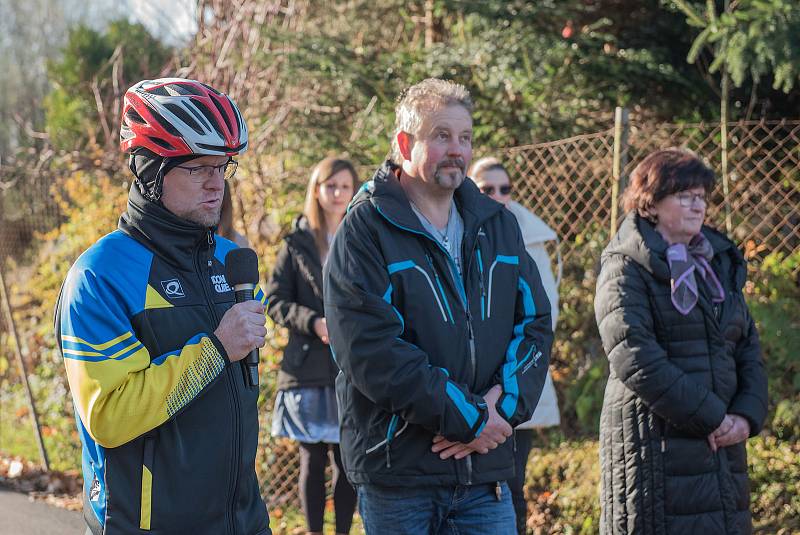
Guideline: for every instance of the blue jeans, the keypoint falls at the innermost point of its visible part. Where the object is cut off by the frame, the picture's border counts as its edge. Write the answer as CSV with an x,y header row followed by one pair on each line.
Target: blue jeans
x,y
458,510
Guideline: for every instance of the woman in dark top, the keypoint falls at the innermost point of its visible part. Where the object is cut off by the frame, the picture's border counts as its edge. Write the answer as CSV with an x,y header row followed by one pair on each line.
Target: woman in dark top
x,y
305,408
687,385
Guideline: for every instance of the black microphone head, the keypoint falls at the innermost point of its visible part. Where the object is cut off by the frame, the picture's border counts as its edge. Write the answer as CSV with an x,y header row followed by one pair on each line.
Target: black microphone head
x,y
241,267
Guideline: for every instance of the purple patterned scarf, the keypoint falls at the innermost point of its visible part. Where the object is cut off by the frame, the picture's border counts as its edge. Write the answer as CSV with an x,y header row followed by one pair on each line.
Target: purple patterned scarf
x,y
683,263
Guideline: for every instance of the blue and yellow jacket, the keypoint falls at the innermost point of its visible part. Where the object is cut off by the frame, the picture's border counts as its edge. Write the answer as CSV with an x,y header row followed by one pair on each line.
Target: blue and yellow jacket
x,y
168,427
419,345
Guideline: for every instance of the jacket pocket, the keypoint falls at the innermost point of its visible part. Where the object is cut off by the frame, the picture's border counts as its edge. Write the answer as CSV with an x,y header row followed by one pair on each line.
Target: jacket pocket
x,y
395,428
499,260
148,459
296,352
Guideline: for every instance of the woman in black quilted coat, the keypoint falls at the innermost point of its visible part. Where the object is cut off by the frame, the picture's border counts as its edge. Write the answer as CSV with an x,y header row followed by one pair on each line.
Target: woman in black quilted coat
x,y
687,385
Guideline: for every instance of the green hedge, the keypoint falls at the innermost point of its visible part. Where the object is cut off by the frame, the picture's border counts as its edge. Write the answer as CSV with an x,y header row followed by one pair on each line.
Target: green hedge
x,y
563,480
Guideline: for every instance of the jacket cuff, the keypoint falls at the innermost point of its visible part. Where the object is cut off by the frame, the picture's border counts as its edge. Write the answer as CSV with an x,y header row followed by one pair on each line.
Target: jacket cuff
x,y
499,408
477,429
310,323
745,410
709,415
465,415
219,347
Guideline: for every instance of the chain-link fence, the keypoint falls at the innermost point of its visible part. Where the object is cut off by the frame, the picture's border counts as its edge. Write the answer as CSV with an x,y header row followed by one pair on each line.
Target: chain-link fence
x,y
569,183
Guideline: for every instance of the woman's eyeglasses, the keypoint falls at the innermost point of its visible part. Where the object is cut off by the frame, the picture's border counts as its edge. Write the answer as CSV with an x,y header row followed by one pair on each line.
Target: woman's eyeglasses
x,y
503,190
201,173
687,199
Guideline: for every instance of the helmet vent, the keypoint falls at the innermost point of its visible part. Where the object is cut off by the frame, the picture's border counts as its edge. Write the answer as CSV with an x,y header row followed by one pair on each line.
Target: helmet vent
x,y
207,113
167,126
224,115
161,143
159,90
210,88
222,148
193,109
134,116
188,89
185,117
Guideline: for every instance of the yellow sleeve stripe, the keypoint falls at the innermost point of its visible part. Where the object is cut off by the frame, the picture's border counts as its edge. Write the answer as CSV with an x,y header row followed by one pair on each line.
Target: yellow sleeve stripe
x,y
147,497
91,356
81,353
98,347
125,350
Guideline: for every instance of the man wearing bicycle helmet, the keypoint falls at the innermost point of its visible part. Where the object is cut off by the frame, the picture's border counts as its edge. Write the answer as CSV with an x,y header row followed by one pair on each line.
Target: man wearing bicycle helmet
x,y
149,333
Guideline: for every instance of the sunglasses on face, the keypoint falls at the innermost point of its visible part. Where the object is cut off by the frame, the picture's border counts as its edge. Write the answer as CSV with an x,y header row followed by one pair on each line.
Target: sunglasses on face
x,y
502,190
201,173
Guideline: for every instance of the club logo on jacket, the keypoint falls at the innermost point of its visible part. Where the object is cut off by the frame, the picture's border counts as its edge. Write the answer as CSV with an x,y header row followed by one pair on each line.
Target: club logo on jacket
x,y
173,288
94,490
220,284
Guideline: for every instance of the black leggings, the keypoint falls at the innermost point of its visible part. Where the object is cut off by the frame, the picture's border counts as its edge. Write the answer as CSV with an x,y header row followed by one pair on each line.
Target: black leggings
x,y
313,459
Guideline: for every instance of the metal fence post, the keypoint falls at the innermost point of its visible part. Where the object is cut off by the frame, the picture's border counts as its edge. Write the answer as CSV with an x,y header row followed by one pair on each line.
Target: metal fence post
x,y
723,127
6,304
619,162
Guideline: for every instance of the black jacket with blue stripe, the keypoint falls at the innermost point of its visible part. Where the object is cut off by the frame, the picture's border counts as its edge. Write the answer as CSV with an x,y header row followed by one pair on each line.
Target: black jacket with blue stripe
x,y
418,345
168,427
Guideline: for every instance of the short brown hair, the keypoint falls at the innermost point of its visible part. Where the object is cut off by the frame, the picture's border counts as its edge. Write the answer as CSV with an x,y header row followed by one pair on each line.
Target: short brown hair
x,y
663,173
426,96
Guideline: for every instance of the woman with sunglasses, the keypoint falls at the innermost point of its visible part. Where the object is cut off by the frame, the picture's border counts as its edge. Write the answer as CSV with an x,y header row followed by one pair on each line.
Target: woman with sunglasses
x,y
492,179
687,385
305,408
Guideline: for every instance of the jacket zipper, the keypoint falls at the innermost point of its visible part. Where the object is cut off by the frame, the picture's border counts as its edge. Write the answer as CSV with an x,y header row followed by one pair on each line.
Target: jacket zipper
x,y
440,287
479,259
231,384
465,303
473,360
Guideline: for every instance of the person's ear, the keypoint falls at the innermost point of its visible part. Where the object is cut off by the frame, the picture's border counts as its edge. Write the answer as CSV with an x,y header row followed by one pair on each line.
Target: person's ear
x,y
405,143
649,213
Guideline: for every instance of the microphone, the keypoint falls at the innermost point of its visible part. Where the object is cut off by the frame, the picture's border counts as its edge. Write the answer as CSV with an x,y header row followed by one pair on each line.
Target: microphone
x,y
241,272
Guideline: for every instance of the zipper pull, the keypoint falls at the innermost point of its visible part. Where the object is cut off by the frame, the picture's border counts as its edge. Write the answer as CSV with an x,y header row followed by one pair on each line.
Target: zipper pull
x,y
663,445
210,240
498,491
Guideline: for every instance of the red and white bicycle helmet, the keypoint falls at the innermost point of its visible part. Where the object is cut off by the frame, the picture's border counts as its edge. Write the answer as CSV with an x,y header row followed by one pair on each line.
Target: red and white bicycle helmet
x,y
178,117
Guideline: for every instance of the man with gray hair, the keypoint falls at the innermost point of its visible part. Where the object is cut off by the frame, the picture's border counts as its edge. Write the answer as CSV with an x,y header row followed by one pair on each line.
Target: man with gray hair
x,y
441,329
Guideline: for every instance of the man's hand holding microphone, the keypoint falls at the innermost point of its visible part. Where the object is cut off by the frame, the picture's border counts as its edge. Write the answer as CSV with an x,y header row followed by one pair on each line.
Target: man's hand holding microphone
x,y
242,329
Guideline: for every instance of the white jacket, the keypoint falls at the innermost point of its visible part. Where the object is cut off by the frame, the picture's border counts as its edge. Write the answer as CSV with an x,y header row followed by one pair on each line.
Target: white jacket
x,y
535,233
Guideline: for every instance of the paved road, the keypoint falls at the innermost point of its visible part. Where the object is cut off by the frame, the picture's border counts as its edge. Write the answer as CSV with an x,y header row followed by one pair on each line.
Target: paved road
x,y
21,516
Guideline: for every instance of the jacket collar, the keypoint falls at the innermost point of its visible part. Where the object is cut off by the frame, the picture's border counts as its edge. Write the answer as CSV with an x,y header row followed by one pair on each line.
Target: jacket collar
x,y
386,194
168,235
639,240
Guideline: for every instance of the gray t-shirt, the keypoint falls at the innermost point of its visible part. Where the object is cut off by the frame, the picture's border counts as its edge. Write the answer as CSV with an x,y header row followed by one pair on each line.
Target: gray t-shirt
x,y
452,236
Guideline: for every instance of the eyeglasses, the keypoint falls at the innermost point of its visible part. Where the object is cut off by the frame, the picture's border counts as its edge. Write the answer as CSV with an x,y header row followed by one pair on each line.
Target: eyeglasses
x,y
201,173
503,190
687,199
